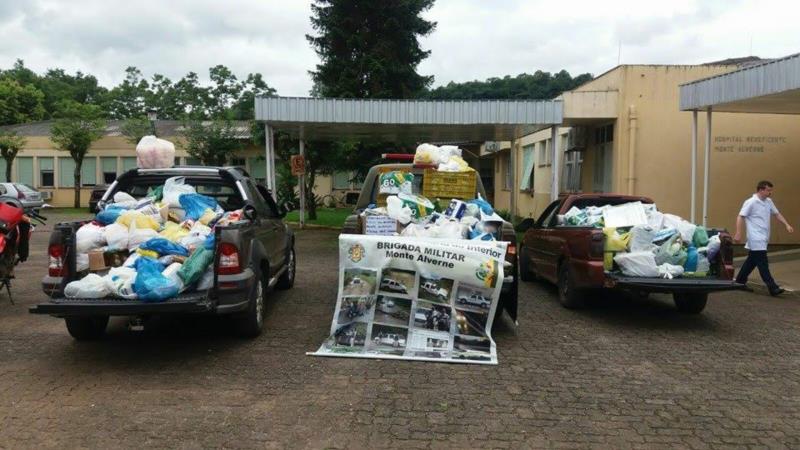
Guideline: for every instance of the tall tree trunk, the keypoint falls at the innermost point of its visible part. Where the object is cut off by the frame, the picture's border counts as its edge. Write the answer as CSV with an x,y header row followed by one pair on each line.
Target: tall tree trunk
x,y
310,203
77,181
9,162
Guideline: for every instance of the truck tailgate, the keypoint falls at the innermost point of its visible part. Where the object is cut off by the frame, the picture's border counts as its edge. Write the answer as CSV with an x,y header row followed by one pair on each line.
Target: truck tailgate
x,y
675,284
190,302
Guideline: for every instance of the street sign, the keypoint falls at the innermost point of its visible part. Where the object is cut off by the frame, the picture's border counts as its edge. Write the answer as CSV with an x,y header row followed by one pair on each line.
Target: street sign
x,y
298,165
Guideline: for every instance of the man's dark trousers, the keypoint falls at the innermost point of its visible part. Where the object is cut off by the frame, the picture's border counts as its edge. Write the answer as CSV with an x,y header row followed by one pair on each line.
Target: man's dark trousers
x,y
758,259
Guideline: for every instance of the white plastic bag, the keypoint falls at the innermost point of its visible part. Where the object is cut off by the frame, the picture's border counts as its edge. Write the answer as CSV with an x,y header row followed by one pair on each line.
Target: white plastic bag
x,y
451,230
116,236
397,210
81,262
207,281
90,286
703,266
655,220
686,229
669,271
119,282
713,247
642,239
139,236
171,272
173,189
625,215
637,264
124,200
154,153
89,237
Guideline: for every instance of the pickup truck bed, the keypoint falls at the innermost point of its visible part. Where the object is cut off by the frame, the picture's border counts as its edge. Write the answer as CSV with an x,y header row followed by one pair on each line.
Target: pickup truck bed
x,y
263,247
572,258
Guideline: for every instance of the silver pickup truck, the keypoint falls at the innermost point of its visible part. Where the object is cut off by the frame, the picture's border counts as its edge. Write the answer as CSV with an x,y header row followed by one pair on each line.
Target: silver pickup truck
x,y
262,244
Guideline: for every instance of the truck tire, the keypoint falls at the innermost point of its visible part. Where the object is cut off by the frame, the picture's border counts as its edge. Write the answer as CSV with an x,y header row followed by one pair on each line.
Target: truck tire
x,y
286,280
568,295
525,273
690,303
251,322
86,328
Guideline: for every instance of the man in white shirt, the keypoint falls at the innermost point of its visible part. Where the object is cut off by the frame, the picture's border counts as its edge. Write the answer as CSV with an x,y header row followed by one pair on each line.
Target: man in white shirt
x,y
756,213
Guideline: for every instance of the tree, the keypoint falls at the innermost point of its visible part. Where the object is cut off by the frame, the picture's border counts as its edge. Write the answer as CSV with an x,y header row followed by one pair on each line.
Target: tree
x,y
213,142
539,85
135,128
128,99
369,49
75,132
10,145
19,104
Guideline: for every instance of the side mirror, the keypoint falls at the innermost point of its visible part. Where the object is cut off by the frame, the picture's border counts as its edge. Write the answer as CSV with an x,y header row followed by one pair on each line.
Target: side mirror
x,y
249,212
525,225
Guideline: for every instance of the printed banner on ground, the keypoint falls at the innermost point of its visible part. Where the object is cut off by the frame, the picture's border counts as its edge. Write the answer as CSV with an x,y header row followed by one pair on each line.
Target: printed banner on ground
x,y
418,299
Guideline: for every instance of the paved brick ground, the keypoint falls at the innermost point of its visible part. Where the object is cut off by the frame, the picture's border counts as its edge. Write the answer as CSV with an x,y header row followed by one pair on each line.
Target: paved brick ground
x,y
621,374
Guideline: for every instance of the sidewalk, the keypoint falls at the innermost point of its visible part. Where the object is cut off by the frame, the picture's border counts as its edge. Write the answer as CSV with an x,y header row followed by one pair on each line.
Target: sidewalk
x,y
785,268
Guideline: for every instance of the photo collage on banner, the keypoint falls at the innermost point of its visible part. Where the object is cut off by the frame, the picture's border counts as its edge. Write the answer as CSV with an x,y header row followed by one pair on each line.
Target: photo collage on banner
x,y
430,300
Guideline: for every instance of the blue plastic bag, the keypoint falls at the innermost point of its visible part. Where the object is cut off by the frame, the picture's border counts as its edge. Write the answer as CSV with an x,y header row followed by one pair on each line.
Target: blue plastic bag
x,y
196,204
164,246
691,260
482,204
110,214
150,284
209,243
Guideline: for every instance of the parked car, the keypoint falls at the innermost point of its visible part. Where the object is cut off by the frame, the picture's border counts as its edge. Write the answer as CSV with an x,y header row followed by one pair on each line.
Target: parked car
x,y
95,196
475,299
434,289
369,195
395,340
386,305
258,256
572,258
28,196
393,285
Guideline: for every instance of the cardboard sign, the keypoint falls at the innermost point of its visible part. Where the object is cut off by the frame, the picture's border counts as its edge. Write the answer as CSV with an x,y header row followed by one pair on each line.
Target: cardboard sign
x,y
449,185
298,163
380,225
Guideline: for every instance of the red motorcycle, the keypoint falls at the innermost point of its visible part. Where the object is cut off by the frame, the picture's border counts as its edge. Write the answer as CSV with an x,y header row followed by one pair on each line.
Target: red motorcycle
x,y
15,236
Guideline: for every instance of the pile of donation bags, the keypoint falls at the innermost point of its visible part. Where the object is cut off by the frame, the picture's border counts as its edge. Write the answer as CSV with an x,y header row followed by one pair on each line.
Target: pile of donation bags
x,y
152,248
417,216
641,241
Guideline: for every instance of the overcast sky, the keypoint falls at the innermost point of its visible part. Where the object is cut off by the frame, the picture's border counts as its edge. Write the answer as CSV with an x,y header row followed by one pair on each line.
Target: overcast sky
x,y
474,39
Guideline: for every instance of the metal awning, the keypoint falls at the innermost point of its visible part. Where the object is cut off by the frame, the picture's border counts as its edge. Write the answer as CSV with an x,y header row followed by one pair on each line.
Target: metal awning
x,y
772,87
407,120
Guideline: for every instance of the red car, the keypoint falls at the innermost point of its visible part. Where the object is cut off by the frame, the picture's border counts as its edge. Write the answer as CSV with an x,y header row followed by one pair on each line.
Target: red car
x,y
572,258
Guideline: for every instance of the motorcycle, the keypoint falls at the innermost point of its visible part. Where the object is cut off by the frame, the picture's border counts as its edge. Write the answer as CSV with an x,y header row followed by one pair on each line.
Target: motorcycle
x,y
15,235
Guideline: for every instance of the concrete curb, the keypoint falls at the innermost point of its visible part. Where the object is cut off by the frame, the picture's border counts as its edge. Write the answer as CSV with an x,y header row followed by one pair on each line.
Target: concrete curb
x,y
761,288
783,253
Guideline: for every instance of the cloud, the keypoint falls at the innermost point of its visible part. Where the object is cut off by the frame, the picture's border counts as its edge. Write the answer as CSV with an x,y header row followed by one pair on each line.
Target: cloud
x,y
474,39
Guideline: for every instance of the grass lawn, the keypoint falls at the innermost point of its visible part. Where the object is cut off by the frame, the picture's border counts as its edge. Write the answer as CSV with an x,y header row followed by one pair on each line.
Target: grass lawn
x,y
329,217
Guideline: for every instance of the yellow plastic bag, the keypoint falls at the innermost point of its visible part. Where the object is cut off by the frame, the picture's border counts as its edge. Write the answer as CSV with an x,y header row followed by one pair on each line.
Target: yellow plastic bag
x,y
208,216
148,253
614,242
173,232
141,220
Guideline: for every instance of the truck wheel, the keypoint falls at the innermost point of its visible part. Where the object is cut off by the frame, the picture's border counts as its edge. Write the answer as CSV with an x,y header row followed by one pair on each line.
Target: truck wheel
x,y
286,280
88,328
525,273
250,323
690,303
568,295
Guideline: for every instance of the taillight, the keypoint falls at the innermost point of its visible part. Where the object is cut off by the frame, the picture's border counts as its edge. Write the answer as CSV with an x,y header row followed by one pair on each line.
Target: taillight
x,y
228,259
56,267
596,246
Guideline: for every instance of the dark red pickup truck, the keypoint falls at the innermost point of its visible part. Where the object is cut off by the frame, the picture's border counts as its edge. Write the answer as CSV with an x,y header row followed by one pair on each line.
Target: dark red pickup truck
x,y
572,258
